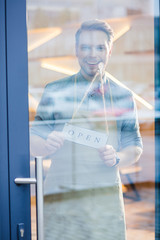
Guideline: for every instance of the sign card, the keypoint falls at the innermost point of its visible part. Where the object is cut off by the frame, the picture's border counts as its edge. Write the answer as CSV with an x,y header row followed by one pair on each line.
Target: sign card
x,y
84,136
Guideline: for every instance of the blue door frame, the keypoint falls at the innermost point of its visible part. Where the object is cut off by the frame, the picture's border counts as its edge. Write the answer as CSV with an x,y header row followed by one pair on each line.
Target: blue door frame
x,y
4,179
14,129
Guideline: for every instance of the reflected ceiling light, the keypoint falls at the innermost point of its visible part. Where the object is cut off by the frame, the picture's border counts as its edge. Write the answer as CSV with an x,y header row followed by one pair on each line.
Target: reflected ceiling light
x,y
70,72
121,32
57,69
42,35
137,97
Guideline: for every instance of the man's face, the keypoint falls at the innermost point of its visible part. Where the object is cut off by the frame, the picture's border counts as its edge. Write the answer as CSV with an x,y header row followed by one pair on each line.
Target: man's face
x,y
92,49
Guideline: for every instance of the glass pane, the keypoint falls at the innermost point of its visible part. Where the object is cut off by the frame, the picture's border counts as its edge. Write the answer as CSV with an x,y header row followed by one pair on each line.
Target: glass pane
x,y
86,103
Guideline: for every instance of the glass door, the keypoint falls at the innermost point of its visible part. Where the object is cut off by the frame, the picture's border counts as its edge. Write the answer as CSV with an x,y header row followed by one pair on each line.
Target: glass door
x,y
84,197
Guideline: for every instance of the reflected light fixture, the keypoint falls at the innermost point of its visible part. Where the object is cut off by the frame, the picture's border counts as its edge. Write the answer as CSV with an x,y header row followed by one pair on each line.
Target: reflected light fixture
x,y
57,69
38,37
121,32
137,97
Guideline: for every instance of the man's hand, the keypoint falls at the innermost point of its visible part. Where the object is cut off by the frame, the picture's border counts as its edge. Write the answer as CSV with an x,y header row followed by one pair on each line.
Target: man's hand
x,y
108,155
127,156
54,141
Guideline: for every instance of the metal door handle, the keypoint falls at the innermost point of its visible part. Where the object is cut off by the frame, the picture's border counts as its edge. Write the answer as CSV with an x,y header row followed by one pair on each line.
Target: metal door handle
x,y
38,180
20,181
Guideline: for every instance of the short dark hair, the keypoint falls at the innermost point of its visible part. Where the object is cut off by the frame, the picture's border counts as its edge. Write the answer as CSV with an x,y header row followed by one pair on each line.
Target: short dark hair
x,y
96,24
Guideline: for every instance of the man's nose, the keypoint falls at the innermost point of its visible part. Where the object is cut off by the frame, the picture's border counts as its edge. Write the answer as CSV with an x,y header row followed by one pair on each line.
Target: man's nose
x,y
93,52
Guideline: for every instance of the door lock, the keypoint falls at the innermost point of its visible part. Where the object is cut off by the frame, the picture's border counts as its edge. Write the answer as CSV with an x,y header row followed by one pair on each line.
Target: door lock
x,y
20,231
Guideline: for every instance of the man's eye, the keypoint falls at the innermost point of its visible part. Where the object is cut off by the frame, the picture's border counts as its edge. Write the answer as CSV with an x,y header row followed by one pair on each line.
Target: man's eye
x,y
100,48
85,48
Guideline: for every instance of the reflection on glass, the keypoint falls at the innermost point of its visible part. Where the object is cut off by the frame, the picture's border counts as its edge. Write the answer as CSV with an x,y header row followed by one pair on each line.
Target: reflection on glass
x,y
85,113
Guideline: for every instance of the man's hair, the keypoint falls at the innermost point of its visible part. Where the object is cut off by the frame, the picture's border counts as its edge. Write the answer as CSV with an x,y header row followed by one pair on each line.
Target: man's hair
x,y
96,25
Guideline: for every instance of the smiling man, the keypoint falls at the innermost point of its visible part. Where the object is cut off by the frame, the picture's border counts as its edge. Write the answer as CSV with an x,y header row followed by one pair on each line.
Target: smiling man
x,y
93,46
96,105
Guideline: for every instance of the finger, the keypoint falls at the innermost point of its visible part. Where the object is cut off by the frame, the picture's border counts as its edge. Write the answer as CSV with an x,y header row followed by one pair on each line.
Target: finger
x,y
59,134
106,148
109,163
108,152
53,143
53,137
108,156
52,149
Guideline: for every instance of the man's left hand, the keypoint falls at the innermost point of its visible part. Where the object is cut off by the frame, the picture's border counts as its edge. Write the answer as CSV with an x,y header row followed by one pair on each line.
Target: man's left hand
x,y
108,155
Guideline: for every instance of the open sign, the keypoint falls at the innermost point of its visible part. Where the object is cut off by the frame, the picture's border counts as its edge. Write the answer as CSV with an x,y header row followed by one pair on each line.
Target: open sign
x,y
84,136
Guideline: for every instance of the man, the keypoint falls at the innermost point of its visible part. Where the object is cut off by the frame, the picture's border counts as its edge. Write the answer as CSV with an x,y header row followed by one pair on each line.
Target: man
x,y
98,104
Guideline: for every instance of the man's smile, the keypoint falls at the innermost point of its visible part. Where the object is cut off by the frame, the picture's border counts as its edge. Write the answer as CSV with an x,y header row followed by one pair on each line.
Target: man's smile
x,y
92,62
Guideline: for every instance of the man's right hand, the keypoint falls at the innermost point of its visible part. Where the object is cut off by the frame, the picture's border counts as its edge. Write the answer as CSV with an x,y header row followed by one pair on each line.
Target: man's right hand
x,y
54,141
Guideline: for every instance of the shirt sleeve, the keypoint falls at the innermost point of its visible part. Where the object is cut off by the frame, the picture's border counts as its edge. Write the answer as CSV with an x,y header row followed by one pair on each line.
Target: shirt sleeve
x,y
130,134
44,120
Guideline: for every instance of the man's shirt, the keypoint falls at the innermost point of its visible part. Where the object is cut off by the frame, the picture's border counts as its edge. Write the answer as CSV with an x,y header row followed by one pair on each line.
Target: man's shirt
x,y
61,98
